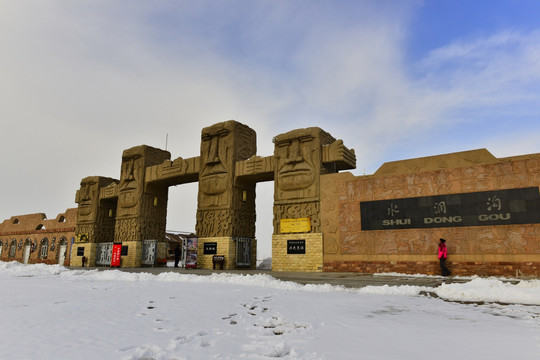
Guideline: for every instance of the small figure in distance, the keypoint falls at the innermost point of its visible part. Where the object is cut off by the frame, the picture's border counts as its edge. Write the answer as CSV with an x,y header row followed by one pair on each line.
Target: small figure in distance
x,y
176,255
443,253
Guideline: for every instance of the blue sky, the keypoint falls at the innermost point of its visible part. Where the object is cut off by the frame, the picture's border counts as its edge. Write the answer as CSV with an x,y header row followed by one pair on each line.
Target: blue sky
x,y
84,80
438,23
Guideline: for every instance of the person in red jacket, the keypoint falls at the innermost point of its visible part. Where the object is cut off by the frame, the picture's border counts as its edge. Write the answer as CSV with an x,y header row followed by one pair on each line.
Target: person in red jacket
x,y
443,253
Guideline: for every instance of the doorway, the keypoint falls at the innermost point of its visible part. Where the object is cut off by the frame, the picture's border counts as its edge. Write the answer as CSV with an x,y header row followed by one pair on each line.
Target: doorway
x,y
62,251
27,251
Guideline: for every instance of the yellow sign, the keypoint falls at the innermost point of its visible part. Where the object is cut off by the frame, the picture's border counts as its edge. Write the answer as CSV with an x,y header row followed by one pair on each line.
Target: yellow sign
x,y
82,238
301,225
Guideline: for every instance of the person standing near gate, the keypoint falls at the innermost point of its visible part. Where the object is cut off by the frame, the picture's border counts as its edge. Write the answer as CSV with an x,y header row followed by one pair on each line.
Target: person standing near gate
x,y
176,255
443,254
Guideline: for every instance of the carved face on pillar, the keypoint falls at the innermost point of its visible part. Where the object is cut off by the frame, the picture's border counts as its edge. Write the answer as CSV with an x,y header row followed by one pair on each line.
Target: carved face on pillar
x,y
88,200
217,147
131,182
298,163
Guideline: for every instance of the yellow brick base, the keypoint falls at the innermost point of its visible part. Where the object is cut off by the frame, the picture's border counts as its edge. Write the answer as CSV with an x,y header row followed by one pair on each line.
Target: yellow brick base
x,y
89,253
312,260
225,246
134,254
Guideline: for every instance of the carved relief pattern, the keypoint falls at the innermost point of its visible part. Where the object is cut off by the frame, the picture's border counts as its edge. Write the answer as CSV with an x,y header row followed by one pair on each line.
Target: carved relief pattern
x,y
126,230
246,142
86,229
131,184
244,224
110,191
222,223
330,214
495,240
96,233
139,229
214,223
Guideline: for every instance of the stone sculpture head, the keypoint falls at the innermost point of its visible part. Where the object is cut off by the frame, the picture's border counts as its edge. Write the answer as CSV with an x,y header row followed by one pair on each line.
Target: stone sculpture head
x,y
222,145
216,158
131,184
299,162
132,178
88,199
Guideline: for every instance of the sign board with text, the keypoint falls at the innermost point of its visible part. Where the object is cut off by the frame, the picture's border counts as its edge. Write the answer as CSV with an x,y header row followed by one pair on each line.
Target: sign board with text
x,y
301,225
296,246
210,248
497,207
116,255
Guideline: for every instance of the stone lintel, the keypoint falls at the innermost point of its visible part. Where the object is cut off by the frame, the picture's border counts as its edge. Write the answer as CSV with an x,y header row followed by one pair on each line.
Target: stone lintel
x,y
178,171
256,169
338,154
109,192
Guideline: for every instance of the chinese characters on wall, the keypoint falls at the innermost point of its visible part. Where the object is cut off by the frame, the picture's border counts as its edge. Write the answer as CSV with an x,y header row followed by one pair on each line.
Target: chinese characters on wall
x,y
499,207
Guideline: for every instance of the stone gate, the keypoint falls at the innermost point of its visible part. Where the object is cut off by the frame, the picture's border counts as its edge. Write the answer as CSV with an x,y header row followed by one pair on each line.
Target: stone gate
x,y
132,211
487,208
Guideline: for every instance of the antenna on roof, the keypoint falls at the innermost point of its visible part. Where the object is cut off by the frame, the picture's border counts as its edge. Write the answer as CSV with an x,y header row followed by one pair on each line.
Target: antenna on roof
x,y
166,140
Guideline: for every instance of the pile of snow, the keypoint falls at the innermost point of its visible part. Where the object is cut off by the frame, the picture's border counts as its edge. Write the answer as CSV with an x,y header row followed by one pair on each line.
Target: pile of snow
x,y
492,290
476,290
265,264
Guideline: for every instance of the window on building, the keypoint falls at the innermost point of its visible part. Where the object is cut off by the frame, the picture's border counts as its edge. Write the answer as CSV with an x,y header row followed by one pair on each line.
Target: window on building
x,y
29,242
13,248
44,248
62,219
16,221
1,246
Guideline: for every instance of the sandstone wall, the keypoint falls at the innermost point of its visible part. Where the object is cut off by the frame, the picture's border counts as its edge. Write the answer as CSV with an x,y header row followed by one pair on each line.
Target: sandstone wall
x,y
508,250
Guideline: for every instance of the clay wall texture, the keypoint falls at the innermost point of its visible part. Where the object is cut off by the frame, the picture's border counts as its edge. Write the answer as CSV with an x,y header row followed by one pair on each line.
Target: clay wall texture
x,y
508,250
37,232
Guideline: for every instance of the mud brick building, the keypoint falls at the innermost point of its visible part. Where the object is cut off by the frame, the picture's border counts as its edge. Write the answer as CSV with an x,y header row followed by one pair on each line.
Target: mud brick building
x,y
33,239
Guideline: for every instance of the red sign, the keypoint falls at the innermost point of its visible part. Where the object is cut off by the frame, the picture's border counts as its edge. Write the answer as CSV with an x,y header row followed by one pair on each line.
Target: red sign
x,y
116,252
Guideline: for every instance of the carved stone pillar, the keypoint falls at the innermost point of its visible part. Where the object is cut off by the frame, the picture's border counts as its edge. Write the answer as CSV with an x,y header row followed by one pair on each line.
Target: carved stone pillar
x,y
226,205
95,217
301,156
142,208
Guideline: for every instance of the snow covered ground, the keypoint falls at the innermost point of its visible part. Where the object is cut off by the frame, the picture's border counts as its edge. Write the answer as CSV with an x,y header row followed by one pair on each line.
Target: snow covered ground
x,y
52,312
